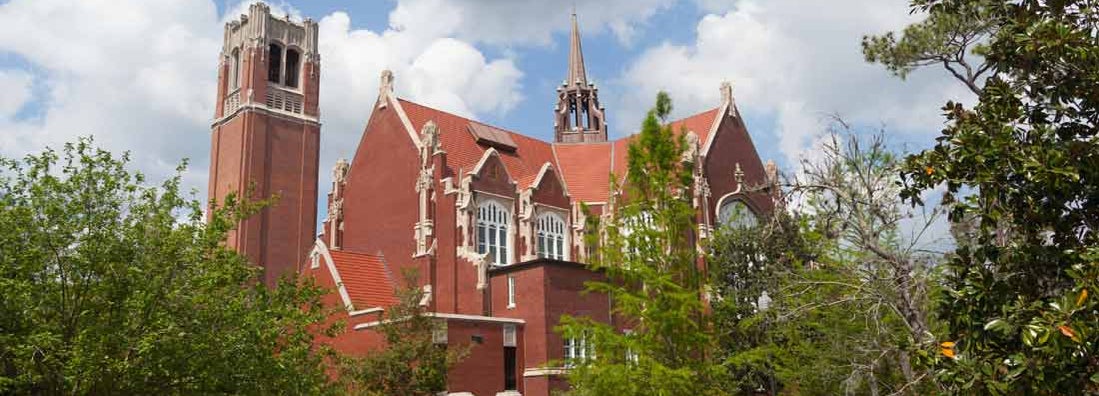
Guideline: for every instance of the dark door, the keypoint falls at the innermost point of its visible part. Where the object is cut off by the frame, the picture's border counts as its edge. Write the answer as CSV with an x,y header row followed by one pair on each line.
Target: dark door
x,y
509,369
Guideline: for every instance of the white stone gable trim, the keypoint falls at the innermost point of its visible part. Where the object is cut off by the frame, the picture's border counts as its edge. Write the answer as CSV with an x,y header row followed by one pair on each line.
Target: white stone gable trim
x,y
321,248
404,120
722,112
491,152
386,96
546,168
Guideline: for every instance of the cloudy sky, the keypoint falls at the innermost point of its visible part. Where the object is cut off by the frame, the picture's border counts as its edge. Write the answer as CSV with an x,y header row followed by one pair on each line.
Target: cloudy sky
x,y
139,75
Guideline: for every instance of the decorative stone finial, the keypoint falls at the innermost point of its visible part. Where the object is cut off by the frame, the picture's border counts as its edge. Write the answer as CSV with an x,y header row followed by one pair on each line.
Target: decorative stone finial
x,y
387,82
691,150
772,172
726,92
429,136
339,172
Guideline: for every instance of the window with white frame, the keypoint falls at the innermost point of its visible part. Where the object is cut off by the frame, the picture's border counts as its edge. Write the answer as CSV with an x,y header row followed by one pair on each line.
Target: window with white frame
x,y
631,356
577,350
735,213
511,291
551,236
492,232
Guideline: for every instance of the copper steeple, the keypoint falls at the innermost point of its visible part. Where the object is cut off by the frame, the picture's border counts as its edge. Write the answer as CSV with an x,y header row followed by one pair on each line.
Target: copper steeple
x,y
578,115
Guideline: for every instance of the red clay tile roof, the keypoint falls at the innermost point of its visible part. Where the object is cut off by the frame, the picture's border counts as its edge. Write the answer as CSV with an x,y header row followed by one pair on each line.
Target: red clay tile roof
x,y
585,167
366,278
463,152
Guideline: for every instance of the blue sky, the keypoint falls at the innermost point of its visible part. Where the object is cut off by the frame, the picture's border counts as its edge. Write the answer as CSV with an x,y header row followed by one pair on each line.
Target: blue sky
x,y
139,75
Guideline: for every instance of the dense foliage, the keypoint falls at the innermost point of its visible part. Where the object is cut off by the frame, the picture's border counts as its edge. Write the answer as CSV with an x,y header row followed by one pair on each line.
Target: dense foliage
x,y
844,288
654,285
111,286
1021,173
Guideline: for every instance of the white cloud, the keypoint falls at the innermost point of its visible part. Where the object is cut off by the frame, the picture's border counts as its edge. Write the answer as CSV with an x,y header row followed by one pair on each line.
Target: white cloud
x,y
15,91
794,62
122,71
443,72
140,76
523,21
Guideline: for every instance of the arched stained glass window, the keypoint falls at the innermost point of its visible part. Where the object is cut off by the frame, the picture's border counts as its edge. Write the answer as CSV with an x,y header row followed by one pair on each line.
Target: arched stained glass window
x,y
551,236
735,213
492,232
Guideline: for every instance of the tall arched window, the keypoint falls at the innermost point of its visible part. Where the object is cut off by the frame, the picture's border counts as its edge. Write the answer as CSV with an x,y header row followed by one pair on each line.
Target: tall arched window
x,y
492,232
735,213
234,71
274,63
551,236
293,59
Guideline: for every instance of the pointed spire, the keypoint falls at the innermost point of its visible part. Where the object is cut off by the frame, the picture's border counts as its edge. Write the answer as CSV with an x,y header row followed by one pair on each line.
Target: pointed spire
x,y
577,75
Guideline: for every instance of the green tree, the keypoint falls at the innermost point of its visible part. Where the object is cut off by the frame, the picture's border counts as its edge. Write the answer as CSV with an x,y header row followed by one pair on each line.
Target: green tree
x,y
412,363
112,286
848,290
1021,173
649,256
748,265
955,40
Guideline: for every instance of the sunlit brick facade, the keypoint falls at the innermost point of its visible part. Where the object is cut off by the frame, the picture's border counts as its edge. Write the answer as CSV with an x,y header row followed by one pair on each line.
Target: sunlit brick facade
x,y
490,219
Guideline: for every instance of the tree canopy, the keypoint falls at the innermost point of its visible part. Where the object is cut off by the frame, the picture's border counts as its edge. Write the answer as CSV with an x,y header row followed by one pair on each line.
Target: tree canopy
x,y
1021,174
111,286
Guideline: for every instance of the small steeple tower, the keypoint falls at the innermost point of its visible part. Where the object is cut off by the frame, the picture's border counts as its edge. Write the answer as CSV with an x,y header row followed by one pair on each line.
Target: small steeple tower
x,y
578,116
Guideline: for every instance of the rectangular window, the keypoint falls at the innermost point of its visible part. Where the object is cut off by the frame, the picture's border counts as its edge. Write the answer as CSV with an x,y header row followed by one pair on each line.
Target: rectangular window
x,y
503,247
541,245
560,248
481,239
492,245
511,292
577,349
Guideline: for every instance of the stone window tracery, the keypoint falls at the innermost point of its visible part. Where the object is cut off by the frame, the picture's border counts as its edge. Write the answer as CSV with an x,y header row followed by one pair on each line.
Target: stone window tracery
x,y
551,236
492,232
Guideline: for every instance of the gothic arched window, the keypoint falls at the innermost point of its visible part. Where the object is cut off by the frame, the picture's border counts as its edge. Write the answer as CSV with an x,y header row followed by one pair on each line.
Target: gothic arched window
x,y
274,63
551,236
293,67
492,231
735,213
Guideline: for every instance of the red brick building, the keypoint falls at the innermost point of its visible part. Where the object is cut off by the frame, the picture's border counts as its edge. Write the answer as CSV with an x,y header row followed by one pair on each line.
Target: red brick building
x,y
489,218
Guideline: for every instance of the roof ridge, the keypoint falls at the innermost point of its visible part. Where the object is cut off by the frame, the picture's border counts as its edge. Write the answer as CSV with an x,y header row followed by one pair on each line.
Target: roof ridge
x,y
471,120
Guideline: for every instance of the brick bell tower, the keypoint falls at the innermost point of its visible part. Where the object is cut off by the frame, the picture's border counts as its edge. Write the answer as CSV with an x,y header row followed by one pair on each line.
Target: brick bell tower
x,y
266,134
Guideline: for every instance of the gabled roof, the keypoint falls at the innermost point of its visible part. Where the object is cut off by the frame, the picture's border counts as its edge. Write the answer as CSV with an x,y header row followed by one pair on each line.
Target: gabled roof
x,y
463,152
585,167
368,281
